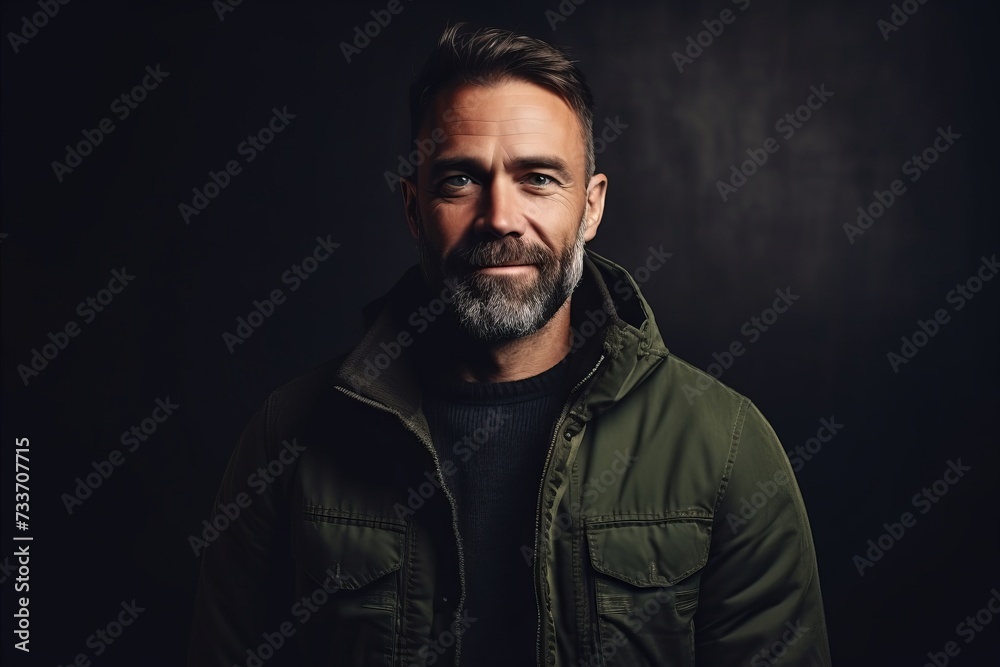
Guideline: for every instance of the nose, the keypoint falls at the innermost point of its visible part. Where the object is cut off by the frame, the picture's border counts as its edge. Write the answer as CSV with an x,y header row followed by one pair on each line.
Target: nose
x,y
502,210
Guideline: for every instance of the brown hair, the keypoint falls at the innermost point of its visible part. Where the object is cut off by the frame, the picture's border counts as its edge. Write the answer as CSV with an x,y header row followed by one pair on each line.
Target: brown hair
x,y
491,56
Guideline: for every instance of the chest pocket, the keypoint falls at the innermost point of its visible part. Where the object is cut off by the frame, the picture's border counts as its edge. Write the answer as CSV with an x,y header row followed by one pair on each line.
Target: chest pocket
x,y
348,586
645,578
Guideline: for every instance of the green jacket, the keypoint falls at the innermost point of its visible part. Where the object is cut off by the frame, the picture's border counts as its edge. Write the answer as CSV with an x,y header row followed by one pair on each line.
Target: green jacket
x,y
670,529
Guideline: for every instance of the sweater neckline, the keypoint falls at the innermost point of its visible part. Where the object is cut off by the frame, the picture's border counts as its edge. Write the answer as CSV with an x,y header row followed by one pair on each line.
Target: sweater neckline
x,y
512,391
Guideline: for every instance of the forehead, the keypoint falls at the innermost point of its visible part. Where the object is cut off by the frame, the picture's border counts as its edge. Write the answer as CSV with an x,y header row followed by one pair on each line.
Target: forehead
x,y
518,114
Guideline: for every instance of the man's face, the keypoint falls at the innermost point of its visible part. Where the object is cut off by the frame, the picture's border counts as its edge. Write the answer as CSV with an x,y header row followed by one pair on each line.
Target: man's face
x,y
500,209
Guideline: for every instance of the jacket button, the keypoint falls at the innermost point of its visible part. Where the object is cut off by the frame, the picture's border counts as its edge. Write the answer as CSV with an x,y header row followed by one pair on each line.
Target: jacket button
x,y
568,434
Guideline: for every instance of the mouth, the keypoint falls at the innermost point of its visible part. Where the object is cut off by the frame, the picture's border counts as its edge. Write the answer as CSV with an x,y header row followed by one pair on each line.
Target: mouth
x,y
504,268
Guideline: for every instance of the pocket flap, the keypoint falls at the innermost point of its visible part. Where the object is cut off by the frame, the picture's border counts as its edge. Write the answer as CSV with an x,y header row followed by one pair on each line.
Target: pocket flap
x,y
645,553
353,551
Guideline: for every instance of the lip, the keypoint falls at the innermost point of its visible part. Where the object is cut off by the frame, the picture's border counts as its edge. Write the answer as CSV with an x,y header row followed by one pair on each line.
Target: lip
x,y
505,268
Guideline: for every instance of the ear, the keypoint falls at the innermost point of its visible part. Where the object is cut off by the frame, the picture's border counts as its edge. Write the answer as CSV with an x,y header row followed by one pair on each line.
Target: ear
x,y
410,208
597,190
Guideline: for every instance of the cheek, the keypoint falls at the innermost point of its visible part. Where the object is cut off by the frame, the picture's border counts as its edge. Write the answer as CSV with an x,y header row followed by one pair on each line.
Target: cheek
x,y
555,208
444,232
558,219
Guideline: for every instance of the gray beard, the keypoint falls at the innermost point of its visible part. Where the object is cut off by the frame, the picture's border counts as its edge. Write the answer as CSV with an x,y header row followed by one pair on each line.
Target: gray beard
x,y
496,308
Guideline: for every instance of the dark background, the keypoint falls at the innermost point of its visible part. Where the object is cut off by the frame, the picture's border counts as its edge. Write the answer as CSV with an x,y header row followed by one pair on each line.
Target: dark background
x,y
324,176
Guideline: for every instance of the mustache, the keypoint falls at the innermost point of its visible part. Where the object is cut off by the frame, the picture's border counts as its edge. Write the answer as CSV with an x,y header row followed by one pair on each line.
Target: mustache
x,y
508,250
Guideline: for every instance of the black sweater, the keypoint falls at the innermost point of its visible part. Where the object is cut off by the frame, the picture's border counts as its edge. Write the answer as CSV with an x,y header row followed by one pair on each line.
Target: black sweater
x,y
497,434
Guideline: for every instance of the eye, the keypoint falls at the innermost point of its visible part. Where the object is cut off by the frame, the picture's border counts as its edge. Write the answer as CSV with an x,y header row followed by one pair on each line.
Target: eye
x,y
457,181
539,180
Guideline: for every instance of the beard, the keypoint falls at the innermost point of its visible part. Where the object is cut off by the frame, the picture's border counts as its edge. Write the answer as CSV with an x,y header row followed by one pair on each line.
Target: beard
x,y
494,308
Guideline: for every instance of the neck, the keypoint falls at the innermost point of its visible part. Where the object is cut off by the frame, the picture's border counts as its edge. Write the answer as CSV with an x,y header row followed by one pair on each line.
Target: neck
x,y
474,361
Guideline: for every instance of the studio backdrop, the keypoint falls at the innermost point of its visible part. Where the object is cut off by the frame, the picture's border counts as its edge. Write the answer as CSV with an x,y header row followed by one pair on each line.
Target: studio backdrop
x,y
198,198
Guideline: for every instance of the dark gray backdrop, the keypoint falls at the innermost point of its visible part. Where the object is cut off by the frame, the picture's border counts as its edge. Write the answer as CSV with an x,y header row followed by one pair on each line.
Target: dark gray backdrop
x,y
324,175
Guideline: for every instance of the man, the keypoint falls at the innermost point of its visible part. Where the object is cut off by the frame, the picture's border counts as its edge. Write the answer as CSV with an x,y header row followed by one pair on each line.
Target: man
x,y
511,468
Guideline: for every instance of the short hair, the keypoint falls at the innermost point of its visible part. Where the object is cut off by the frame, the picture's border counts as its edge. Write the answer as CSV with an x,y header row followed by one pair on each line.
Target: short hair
x,y
491,56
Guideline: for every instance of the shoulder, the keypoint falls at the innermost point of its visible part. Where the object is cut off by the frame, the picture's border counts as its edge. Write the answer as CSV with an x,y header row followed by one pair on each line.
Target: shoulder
x,y
707,419
305,396
693,395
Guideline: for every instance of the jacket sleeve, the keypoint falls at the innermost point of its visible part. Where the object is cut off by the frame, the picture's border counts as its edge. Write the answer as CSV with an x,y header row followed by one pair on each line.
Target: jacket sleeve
x,y
760,600
232,607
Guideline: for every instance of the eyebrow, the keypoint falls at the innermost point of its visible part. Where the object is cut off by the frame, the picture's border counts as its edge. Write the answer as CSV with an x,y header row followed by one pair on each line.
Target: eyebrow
x,y
550,162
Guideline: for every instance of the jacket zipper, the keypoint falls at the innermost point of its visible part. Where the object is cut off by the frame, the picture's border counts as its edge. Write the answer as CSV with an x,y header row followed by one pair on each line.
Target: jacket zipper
x,y
444,487
538,510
